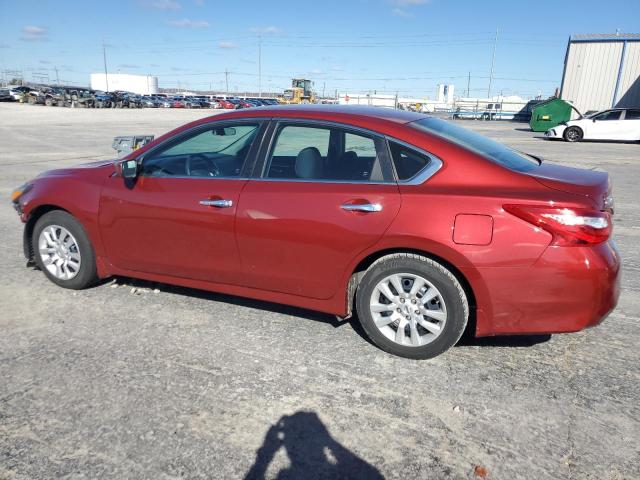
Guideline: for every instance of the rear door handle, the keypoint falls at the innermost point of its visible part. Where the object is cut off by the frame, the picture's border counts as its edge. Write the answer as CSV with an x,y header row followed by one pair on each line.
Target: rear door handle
x,y
362,207
217,203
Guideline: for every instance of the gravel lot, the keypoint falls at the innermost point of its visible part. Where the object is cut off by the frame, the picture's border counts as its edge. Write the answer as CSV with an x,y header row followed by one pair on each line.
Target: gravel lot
x,y
140,380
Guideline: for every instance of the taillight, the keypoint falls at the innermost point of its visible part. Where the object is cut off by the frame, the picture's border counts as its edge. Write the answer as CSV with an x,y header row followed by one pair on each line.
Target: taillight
x,y
569,226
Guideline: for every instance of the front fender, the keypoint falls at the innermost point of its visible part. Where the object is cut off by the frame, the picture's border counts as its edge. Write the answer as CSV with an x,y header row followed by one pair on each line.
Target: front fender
x,y
78,196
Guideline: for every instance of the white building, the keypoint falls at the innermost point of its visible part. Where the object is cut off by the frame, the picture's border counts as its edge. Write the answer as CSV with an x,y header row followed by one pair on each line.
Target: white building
x,y
602,71
372,99
140,84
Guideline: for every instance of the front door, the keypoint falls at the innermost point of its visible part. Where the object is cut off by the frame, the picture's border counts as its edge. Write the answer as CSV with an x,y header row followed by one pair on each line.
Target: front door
x,y
177,219
605,126
326,193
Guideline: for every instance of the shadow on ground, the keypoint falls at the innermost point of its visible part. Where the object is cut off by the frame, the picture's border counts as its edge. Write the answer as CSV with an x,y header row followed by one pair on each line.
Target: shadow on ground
x,y
311,450
468,339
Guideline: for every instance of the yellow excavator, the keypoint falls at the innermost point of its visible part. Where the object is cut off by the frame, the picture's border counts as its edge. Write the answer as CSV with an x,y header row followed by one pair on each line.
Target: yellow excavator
x,y
300,92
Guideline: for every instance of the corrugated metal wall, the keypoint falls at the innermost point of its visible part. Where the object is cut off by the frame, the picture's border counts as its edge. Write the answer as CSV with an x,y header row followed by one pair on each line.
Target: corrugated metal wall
x,y
591,73
629,89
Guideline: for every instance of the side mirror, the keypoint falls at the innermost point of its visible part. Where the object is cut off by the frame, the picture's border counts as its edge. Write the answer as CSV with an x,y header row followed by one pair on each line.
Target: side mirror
x,y
594,120
127,168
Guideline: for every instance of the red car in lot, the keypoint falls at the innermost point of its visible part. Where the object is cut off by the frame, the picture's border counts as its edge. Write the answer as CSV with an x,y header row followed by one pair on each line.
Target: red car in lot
x,y
226,104
419,226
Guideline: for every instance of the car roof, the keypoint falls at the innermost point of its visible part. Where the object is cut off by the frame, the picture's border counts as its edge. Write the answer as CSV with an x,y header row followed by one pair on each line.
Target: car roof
x,y
327,110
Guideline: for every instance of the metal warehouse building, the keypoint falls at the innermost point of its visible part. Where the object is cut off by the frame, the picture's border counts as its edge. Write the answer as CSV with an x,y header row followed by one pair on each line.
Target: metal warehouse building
x,y
602,71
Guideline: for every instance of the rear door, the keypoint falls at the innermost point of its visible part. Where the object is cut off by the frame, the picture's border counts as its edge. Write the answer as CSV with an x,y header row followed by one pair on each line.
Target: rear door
x,y
632,124
325,193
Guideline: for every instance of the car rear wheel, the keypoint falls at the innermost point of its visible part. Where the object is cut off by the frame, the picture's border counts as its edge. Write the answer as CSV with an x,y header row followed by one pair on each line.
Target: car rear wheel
x,y
411,306
573,134
63,251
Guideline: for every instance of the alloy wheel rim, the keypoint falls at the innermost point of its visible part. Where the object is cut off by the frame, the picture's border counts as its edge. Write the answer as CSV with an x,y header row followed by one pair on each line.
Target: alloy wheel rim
x,y
59,252
408,309
573,135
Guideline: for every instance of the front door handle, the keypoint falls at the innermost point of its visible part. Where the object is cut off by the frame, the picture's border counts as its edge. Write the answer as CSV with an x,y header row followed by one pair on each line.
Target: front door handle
x,y
217,203
362,207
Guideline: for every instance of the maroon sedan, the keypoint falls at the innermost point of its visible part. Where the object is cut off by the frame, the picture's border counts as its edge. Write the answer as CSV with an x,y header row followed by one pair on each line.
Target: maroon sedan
x,y
419,226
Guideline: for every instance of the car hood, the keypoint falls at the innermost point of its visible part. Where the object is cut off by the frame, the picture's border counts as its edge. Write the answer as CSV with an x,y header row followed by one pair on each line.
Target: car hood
x,y
82,169
579,181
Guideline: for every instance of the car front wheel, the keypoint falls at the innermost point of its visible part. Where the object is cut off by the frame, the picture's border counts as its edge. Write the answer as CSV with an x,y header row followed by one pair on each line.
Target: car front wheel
x,y
62,250
572,134
411,306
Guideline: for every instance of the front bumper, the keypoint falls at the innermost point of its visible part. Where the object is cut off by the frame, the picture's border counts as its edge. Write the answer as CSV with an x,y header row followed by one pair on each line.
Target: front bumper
x,y
555,132
568,289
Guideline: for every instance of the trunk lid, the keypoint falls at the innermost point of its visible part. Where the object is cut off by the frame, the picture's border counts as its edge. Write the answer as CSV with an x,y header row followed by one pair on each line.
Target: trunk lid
x,y
589,183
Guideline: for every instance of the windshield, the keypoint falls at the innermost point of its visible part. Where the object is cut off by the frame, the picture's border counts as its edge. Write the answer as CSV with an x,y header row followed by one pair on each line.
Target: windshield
x,y
479,144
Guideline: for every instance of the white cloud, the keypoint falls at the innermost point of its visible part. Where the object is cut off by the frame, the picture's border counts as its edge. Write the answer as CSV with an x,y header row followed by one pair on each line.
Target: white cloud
x,y
227,45
33,33
186,23
266,30
165,5
399,12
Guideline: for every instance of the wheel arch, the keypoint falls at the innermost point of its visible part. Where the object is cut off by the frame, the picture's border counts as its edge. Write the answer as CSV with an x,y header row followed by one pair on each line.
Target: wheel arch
x,y
34,216
365,263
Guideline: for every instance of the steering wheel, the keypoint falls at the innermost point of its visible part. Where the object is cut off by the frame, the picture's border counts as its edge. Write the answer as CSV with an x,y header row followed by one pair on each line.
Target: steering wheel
x,y
213,169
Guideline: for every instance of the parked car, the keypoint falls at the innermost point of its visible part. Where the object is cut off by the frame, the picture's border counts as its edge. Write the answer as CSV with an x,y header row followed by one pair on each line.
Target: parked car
x,y
56,96
103,99
16,91
165,102
226,104
415,223
616,124
177,102
242,103
5,95
149,102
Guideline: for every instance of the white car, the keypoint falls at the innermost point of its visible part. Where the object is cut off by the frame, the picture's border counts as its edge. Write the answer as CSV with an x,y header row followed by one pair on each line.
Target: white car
x,y
614,124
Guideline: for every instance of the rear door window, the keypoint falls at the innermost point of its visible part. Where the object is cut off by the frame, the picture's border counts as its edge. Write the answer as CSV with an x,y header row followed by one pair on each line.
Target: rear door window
x,y
324,153
633,114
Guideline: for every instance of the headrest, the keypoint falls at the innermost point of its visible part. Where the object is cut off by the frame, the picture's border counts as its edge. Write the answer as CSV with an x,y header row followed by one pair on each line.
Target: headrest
x,y
309,163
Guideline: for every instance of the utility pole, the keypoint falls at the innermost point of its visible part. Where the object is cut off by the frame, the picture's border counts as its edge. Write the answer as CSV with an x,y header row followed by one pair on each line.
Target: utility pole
x,y
468,83
104,57
57,78
226,81
323,85
493,60
259,65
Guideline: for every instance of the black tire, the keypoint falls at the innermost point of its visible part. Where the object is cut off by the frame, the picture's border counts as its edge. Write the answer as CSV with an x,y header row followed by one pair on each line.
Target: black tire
x,y
573,134
447,284
87,272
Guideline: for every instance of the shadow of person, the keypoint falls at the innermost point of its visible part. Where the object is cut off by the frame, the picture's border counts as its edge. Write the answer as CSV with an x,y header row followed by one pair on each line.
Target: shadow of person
x,y
313,453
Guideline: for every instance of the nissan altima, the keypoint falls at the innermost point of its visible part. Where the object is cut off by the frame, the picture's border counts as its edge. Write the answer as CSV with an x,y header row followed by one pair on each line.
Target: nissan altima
x,y
419,227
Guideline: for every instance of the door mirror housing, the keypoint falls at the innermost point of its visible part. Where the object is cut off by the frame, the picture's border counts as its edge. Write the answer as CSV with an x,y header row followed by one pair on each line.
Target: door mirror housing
x,y
127,168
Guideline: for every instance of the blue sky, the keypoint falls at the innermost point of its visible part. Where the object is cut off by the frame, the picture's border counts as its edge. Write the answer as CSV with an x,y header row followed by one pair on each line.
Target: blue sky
x,y
407,46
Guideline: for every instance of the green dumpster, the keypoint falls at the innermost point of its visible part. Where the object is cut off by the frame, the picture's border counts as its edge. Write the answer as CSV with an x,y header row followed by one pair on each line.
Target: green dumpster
x,y
550,113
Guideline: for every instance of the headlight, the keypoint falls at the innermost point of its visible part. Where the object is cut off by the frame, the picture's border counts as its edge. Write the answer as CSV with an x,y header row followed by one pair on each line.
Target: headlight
x,y
21,190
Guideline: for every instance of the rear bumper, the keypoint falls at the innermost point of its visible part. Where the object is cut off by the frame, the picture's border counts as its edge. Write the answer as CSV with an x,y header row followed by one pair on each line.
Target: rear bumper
x,y
568,289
